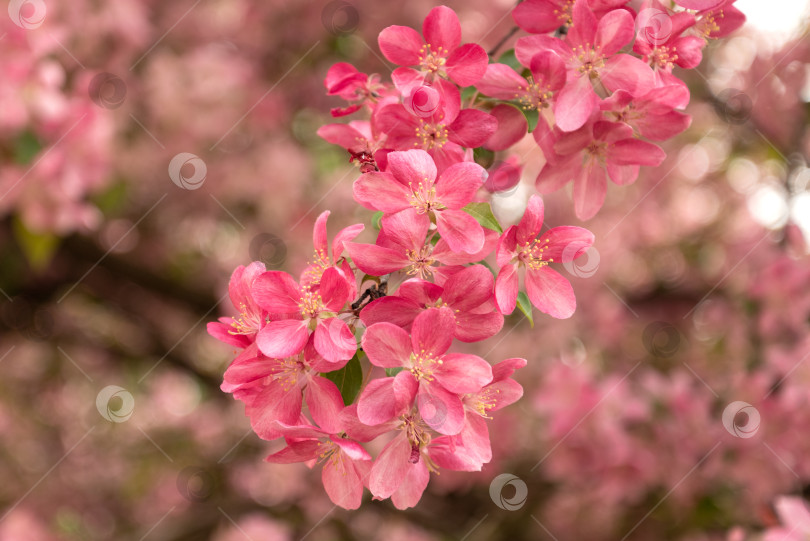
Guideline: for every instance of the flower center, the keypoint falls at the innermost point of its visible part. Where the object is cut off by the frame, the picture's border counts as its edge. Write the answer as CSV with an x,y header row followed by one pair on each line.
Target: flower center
x,y
320,262
591,60
564,14
531,254
663,57
534,95
423,197
419,438
310,304
248,322
707,25
485,401
421,261
287,372
422,366
330,452
432,61
431,135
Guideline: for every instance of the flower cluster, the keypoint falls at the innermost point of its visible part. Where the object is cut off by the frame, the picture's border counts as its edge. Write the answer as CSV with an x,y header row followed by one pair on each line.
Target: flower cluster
x,y
364,338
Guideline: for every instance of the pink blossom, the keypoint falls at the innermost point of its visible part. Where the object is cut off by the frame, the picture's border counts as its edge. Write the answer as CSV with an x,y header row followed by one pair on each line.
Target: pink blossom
x,y
589,52
520,246
441,53
432,377
591,154
652,115
411,183
467,293
301,310
241,330
326,258
358,88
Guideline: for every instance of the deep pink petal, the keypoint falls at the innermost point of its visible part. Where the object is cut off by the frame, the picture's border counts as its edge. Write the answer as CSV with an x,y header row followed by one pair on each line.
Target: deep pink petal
x,y
442,29
379,191
565,243
584,28
469,288
296,451
471,327
387,345
440,409
376,260
333,290
512,127
346,234
548,69
273,403
459,183
432,333
550,292
501,82
276,292
532,221
334,341
472,128
400,45
285,338
537,16
507,246
467,64
378,402
392,309
526,49
615,30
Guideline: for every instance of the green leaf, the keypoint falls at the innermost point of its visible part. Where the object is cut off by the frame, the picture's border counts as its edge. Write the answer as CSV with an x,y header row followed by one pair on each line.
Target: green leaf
x,y
525,306
509,58
37,247
468,93
348,379
482,212
532,117
391,372
26,147
483,157
375,220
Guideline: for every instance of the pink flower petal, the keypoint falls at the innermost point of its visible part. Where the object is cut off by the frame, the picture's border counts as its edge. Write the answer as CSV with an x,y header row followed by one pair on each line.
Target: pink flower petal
x,y
615,30
345,235
298,451
537,16
636,152
472,128
376,260
412,487
467,64
532,221
463,373
387,345
281,339
469,288
343,483
432,333
476,327
506,289
411,167
512,127
459,183
442,29
325,403
392,309
334,341
440,409
550,292
575,103
390,468
501,82
400,45
379,191
590,188
461,231
565,243
377,403
276,292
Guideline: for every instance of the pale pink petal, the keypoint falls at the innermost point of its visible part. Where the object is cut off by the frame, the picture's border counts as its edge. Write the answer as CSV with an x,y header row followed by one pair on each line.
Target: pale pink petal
x,y
550,292
532,221
461,231
376,260
506,289
635,152
390,468
526,48
413,485
463,373
590,188
575,103
342,483
378,402
565,243
629,73
615,30
501,82
325,403
440,409
296,451
476,327
412,167
345,235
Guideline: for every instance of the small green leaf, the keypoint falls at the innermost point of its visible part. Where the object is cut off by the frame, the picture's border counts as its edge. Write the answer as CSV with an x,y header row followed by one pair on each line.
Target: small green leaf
x,y
348,379
37,247
375,220
532,117
525,306
391,372
468,93
509,58
26,147
482,212
483,157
